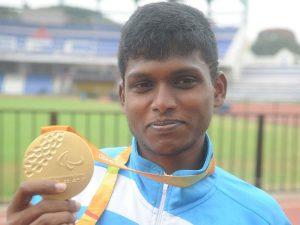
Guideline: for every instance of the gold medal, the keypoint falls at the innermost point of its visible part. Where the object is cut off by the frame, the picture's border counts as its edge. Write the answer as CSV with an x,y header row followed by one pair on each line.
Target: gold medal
x,y
61,156
50,157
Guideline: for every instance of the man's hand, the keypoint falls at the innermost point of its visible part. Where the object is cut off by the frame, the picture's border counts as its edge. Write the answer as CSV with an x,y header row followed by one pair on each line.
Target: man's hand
x,y
50,212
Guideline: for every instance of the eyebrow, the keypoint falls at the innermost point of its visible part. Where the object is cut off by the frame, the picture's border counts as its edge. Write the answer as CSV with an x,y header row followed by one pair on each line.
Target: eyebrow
x,y
187,70
175,72
138,75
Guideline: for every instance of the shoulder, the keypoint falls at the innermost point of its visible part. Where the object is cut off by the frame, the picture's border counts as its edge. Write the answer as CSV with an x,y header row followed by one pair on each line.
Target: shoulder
x,y
250,198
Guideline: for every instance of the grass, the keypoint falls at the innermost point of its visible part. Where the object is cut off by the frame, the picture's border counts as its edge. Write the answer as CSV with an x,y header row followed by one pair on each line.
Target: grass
x,y
54,103
234,138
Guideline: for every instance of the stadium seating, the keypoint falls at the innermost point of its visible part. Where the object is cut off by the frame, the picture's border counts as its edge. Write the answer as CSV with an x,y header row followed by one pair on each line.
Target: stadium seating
x,y
224,36
75,39
267,83
13,83
108,47
66,44
101,40
38,84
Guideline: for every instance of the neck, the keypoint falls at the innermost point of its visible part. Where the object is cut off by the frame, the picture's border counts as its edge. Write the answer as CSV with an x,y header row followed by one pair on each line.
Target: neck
x,y
191,158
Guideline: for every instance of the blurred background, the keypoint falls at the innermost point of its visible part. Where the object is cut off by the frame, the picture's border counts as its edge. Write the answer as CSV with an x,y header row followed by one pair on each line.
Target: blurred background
x,y
58,65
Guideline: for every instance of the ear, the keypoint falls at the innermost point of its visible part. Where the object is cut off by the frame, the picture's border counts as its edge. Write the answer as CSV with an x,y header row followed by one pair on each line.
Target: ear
x,y
220,86
122,93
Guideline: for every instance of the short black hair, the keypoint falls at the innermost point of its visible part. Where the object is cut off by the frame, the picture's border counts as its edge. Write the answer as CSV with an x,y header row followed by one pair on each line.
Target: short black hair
x,y
159,30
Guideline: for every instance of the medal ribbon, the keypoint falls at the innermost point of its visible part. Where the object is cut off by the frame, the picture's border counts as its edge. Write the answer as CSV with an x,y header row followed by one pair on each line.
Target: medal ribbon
x,y
103,194
179,181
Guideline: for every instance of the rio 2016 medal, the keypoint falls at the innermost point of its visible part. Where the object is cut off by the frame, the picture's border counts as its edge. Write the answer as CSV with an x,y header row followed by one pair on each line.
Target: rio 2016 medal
x,y
61,156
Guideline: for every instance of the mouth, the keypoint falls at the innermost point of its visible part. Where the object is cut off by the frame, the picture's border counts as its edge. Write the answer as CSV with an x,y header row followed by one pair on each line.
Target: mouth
x,y
165,125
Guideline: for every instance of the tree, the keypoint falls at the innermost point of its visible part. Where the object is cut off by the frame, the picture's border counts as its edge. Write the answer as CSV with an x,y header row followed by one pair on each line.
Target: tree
x,y
246,11
25,5
209,10
61,2
271,41
98,5
8,13
136,2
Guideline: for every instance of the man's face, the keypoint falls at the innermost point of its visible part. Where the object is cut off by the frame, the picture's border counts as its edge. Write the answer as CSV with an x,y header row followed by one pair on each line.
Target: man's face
x,y
169,103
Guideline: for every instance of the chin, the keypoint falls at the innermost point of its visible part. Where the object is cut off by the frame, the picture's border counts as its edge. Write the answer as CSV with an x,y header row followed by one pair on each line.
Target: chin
x,y
167,148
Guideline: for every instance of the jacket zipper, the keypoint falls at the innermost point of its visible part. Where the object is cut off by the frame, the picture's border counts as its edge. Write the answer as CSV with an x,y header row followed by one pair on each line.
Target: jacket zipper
x,y
162,205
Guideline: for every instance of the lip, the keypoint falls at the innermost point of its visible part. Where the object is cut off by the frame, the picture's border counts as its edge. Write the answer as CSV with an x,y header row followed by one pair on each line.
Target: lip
x,y
165,125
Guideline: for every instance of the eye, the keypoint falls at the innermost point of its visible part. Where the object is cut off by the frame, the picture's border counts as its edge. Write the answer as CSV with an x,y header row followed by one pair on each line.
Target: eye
x,y
185,82
141,86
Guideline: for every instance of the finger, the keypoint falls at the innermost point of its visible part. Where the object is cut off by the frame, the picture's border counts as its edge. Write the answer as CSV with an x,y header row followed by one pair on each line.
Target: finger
x,y
27,189
32,213
55,219
56,206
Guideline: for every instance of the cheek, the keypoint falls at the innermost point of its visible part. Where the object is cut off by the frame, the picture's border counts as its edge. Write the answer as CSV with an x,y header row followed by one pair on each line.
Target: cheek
x,y
201,100
134,112
200,109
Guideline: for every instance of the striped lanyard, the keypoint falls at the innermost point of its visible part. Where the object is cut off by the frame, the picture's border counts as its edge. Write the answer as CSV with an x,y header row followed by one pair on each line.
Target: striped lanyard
x,y
104,192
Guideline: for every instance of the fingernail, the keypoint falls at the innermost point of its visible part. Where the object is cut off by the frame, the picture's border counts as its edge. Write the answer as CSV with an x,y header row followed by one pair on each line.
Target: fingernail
x,y
77,206
60,187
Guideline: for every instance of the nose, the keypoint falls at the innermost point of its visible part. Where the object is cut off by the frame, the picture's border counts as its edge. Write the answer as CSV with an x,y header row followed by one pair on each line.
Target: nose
x,y
164,100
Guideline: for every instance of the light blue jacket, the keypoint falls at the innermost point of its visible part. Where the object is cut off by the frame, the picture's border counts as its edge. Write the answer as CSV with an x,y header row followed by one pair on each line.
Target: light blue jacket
x,y
220,199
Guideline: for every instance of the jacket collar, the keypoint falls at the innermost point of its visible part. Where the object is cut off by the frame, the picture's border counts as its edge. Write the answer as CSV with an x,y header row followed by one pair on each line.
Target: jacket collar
x,y
176,197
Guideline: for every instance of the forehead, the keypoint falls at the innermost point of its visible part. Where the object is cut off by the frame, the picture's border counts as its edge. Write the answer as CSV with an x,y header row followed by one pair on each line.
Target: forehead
x,y
169,65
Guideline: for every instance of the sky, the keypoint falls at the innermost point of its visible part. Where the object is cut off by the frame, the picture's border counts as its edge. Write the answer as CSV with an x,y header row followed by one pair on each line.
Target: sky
x,y
262,14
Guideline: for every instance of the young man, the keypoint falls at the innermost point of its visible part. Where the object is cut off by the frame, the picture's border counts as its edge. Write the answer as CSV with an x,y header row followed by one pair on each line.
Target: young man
x,y
170,86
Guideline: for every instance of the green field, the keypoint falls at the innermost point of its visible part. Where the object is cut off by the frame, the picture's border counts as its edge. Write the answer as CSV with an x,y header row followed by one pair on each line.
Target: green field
x,y
234,138
54,103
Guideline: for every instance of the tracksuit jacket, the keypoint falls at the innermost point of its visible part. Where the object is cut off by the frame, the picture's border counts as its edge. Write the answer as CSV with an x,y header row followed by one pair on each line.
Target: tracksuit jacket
x,y
219,199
